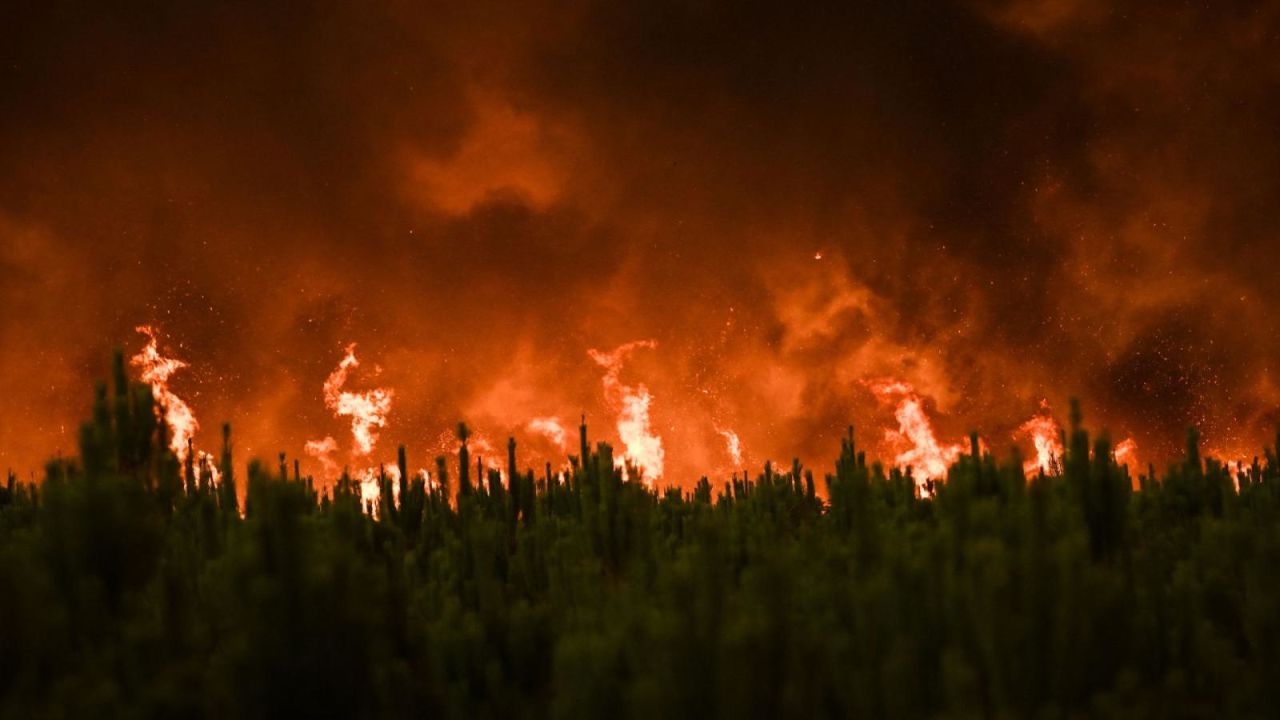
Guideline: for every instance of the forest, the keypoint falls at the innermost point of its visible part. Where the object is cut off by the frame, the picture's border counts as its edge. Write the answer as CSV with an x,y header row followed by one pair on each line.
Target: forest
x,y
136,585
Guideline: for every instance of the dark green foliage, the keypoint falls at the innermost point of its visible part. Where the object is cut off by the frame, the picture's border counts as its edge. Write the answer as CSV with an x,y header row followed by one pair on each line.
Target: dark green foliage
x,y
131,585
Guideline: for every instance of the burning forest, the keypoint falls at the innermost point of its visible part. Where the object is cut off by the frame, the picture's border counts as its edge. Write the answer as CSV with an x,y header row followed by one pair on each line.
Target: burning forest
x,y
942,581
639,358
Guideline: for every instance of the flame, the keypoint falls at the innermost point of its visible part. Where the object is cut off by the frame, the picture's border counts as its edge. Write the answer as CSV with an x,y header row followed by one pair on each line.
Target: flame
x,y
926,458
643,447
369,480
1046,435
491,456
205,464
323,451
1126,452
368,410
733,444
156,370
551,429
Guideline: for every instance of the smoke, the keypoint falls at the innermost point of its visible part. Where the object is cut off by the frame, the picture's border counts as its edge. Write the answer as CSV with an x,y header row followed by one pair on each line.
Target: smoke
x,y
790,201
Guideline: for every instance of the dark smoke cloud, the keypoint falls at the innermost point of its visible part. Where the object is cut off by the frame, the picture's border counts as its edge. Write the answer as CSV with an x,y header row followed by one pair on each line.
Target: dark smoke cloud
x,y
1012,201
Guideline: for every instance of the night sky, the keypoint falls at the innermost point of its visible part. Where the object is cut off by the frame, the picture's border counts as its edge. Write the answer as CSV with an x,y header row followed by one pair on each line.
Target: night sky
x,y
996,202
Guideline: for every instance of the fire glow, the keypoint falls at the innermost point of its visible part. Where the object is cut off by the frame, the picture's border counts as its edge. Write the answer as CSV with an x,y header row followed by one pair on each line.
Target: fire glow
x,y
1126,452
915,443
155,370
733,444
643,447
368,410
1046,436
926,458
551,429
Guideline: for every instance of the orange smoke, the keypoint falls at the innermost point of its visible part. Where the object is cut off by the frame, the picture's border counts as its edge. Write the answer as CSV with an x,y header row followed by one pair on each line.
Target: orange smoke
x,y
155,370
368,410
643,447
926,458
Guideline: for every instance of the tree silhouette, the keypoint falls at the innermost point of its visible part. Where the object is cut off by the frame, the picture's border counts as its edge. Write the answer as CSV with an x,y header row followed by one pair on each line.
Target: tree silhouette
x,y
133,584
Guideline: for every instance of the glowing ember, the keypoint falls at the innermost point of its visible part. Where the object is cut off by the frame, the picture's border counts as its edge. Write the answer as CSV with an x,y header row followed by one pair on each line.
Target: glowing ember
x,y
643,447
368,410
1046,436
926,457
155,371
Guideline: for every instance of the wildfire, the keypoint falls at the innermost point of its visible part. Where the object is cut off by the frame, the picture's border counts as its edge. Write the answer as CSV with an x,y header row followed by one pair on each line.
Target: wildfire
x,y
368,410
551,429
643,447
927,458
489,455
733,444
206,466
1126,451
915,441
370,480
155,370
1046,436
323,451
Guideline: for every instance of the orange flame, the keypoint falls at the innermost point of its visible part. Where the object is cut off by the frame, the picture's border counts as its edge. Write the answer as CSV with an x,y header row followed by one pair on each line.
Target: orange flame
x,y
323,451
733,444
926,457
368,410
643,447
173,410
490,455
1126,452
551,429
205,464
1046,435
370,481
